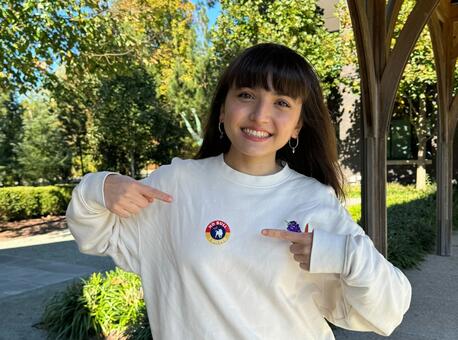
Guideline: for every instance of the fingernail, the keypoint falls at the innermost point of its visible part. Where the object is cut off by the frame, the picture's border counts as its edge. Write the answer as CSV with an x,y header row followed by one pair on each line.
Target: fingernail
x,y
264,232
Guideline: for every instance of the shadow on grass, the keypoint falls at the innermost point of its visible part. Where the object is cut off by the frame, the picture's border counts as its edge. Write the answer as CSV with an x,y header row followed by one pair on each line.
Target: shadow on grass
x,y
411,231
411,228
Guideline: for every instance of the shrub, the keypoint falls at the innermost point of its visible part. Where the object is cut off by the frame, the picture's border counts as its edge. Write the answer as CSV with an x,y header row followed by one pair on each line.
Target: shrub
x,y
66,316
411,215
115,301
18,203
109,305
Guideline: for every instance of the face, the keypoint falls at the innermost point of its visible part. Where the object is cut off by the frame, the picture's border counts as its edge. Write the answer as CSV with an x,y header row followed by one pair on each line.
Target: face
x,y
259,122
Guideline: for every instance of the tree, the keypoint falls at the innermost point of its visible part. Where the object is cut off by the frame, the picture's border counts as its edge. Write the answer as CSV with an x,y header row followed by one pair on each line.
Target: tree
x,y
42,154
129,126
152,38
296,24
417,94
75,100
10,135
37,34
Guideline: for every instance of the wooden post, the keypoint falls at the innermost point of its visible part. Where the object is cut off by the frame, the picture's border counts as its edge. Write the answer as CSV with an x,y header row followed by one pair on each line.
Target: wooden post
x,y
381,68
445,45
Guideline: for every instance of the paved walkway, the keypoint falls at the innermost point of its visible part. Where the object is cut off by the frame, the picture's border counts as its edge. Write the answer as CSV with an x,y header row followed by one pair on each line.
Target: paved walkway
x,y
32,270
31,274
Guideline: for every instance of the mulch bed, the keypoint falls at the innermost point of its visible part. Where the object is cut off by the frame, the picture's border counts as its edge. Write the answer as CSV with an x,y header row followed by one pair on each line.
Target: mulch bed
x,y
35,226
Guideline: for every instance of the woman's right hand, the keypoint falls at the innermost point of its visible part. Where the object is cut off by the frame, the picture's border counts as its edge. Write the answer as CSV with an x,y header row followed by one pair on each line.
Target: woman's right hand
x,y
125,196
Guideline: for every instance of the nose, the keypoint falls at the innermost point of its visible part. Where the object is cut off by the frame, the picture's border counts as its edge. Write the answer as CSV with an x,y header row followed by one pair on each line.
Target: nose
x,y
261,111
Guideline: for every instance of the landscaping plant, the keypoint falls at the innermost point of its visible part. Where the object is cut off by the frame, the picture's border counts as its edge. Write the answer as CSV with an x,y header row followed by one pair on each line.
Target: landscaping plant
x,y
18,203
109,305
411,215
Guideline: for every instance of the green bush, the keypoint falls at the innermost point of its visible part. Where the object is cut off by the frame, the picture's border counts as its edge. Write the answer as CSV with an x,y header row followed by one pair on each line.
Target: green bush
x,y
411,215
18,203
109,305
66,316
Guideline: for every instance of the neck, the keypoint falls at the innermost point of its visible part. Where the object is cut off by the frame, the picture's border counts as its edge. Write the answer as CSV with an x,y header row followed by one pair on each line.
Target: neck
x,y
250,166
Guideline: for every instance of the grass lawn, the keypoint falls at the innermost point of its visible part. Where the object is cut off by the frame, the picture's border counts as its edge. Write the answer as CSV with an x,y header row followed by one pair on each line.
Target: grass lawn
x,y
411,221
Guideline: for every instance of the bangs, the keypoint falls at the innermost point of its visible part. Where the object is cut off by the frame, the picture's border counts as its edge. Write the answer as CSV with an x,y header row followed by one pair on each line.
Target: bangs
x,y
273,70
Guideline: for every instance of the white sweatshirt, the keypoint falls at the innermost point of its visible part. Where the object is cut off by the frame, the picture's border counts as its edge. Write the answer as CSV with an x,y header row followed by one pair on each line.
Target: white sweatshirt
x,y
208,273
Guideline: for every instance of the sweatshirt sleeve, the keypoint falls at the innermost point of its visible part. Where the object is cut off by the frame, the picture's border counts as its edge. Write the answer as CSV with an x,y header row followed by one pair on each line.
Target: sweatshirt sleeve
x,y
370,293
98,231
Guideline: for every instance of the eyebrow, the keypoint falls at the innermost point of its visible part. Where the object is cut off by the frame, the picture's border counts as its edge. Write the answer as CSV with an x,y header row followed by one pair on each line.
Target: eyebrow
x,y
273,91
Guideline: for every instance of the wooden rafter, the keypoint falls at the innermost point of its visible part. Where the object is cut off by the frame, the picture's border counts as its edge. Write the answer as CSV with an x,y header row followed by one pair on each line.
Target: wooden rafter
x,y
400,54
392,12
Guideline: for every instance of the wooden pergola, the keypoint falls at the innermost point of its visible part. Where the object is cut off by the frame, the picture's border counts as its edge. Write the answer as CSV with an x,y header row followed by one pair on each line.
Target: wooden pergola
x,y
381,68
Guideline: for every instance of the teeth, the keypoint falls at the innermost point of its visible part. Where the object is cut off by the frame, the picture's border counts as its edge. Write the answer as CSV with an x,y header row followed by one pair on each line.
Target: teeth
x,y
259,134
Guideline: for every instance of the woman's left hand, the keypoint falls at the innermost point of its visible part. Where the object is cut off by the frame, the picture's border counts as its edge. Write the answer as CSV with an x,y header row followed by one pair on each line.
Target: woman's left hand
x,y
301,246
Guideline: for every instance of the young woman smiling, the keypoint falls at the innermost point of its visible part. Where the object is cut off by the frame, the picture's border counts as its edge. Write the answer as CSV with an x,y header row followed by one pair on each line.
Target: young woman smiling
x,y
249,239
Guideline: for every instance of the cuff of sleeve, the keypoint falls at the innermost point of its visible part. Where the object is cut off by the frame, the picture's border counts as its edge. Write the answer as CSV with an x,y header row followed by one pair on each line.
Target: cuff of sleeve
x,y
328,252
92,189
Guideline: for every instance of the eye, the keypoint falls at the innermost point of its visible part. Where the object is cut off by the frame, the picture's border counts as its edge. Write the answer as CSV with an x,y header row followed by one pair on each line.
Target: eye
x,y
283,103
245,95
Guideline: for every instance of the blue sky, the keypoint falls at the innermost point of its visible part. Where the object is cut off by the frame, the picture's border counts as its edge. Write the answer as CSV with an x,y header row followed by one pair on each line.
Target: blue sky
x,y
213,14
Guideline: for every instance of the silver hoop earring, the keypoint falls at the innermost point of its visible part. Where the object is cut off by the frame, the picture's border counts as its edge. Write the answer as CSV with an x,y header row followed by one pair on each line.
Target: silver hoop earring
x,y
293,148
221,132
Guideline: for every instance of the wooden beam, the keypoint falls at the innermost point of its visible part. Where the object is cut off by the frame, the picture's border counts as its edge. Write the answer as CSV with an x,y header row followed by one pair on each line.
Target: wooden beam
x,y
366,57
400,55
373,25
454,112
374,214
392,12
441,29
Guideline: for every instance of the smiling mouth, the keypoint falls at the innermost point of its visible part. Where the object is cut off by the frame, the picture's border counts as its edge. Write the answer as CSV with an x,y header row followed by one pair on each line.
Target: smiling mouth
x,y
256,133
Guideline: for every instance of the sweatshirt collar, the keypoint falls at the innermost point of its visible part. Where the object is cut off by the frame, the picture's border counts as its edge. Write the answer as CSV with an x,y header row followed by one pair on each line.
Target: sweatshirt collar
x,y
251,180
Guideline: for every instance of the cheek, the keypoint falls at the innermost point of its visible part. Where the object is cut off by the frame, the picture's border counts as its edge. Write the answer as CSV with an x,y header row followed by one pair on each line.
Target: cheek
x,y
232,113
287,123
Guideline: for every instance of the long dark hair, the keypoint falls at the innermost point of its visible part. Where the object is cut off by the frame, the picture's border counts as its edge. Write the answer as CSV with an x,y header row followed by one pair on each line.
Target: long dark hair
x,y
292,75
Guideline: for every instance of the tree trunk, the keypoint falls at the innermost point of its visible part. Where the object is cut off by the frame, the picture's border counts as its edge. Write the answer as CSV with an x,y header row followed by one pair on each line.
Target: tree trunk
x,y
420,182
422,135
80,151
132,164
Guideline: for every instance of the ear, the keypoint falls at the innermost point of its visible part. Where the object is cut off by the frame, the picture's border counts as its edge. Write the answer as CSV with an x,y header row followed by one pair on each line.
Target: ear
x,y
297,129
221,113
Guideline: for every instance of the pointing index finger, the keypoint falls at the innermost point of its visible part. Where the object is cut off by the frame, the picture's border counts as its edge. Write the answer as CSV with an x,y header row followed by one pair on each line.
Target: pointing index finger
x,y
152,193
284,235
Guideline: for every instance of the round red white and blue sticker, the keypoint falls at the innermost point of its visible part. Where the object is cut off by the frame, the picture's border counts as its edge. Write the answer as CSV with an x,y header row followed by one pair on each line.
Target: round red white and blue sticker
x,y
217,232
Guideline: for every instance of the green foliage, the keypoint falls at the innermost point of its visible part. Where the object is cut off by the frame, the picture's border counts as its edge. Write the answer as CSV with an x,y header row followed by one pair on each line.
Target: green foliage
x,y
411,223
39,32
131,128
141,330
42,153
17,203
355,212
10,135
297,24
109,305
115,301
353,190
66,316
121,102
